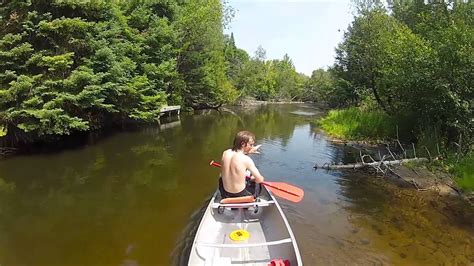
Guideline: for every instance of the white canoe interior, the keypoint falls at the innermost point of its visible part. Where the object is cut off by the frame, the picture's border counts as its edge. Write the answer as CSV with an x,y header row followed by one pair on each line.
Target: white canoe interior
x,y
270,234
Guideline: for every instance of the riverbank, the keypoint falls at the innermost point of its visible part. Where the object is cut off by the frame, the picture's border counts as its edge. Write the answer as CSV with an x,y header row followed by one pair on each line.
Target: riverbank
x,y
430,176
252,101
375,134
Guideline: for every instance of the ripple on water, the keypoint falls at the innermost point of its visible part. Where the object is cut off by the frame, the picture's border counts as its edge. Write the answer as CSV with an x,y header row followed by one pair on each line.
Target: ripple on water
x,y
304,113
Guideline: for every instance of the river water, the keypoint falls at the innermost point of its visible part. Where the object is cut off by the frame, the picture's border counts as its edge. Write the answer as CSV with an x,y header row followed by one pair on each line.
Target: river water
x,y
135,197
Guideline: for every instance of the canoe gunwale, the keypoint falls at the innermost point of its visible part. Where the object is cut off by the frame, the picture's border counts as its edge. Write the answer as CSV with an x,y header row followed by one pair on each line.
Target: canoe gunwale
x,y
292,236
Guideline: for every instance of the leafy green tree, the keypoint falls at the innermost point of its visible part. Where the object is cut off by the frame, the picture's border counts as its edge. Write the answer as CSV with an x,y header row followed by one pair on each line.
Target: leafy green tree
x,y
285,78
264,79
383,57
321,87
201,60
415,62
449,27
300,85
78,65
236,59
257,78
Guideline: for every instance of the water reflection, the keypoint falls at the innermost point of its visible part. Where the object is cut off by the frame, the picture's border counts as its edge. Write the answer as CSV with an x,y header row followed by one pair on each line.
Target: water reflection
x,y
134,198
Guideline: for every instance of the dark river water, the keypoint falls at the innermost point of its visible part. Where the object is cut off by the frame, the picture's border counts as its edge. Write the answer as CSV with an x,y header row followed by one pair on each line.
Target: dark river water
x,y
135,197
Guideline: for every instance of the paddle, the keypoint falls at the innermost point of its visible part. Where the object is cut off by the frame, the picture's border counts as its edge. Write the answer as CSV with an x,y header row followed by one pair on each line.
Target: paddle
x,y
280,189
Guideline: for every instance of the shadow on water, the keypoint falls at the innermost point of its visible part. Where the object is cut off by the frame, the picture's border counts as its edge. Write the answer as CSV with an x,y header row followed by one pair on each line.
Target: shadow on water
x,y
80,140
182,250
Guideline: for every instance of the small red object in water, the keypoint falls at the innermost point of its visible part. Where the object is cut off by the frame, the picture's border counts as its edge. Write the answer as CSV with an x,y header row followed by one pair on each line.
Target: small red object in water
x,y
279,262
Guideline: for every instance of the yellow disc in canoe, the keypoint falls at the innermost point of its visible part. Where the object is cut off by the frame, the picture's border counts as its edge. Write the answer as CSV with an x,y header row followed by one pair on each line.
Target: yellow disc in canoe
x,y
239,235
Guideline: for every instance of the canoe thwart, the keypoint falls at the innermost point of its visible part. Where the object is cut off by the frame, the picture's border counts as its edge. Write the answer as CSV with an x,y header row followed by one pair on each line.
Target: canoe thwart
x,y
270,243
242,205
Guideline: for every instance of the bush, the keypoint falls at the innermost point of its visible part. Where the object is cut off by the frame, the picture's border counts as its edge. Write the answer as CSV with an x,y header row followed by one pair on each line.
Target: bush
x,y
358,124
464,172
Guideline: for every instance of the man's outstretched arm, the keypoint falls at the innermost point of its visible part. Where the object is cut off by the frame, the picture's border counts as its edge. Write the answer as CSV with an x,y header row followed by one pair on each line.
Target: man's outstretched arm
x,y
250,165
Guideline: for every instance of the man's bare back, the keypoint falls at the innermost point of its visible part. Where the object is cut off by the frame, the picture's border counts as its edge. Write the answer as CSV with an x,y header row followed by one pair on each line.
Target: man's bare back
x,y
233,170
234,167
235,164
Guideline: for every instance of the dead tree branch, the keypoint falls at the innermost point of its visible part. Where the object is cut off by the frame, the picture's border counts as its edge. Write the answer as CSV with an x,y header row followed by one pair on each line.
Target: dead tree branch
x,y
370,164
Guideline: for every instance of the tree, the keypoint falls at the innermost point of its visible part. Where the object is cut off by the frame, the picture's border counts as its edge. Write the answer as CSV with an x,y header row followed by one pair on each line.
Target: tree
x,y
201,60
75,65
415,62
236,59
382,57
321,87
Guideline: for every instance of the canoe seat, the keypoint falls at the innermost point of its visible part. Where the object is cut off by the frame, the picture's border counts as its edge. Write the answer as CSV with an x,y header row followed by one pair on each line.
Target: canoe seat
x,y
244,199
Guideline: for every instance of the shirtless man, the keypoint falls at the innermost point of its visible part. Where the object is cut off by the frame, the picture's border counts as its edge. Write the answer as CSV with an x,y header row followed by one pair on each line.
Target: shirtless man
x,y
235,164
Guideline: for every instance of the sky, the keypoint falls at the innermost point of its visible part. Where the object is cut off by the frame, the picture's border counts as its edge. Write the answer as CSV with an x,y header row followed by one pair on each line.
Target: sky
x,y
307,30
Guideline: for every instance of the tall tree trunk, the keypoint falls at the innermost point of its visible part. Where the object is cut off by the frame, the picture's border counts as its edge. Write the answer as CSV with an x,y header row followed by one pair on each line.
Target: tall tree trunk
x,y
377,97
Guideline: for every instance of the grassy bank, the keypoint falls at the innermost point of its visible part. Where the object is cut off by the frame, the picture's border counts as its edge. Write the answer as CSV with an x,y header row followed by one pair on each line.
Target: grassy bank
x,y
463,170
361,124
358,124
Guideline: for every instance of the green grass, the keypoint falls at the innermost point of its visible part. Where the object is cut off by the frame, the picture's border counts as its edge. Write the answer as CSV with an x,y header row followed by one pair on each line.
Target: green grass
x,y
358,124
462,169
464,172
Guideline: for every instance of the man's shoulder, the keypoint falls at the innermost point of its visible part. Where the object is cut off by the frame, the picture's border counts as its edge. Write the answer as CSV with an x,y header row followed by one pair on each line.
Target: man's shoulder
x,y
228,154
228,151
245,158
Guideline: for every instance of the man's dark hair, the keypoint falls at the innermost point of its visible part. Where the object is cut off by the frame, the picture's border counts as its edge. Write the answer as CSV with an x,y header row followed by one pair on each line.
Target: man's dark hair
x,y
242,138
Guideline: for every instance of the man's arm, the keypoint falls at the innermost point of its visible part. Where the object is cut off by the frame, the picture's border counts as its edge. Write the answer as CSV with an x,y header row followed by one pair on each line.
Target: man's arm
x,y
255,149
250,165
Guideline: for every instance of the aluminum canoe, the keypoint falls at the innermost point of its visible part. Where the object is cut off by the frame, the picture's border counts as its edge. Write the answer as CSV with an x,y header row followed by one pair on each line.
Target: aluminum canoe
x,y
270,236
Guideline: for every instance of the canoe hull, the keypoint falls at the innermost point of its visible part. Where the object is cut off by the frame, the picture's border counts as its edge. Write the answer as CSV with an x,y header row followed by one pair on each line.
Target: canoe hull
x,y
270,236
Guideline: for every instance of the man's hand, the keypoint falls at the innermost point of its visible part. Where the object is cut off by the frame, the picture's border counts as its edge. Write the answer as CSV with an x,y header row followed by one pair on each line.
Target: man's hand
x,y
255,149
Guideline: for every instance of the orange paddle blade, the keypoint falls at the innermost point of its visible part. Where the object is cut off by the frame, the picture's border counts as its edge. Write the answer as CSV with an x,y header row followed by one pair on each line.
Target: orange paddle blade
x,y
285,191
280,189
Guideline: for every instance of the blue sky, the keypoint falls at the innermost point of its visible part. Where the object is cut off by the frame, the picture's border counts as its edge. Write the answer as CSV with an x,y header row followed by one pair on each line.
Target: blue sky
x,y
307,30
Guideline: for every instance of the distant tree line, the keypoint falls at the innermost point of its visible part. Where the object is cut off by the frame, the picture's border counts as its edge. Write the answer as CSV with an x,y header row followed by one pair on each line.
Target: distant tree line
x,y
263,79
412,59
78,65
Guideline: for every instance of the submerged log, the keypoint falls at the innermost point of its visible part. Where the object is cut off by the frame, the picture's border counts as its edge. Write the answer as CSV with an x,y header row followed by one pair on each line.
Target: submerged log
x,y
362,165
7,151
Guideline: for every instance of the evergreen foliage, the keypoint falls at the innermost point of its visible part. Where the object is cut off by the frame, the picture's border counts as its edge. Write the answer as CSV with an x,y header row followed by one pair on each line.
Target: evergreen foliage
x,y
79,65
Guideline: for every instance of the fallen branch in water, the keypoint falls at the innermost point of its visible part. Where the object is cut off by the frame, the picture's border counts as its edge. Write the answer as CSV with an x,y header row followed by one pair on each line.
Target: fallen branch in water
x,y
423,180
7,151
372,164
